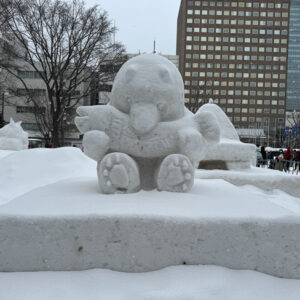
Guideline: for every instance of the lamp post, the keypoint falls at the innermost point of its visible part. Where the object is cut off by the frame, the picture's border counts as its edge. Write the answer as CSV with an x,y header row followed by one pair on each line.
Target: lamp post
x,y
2,108
3,93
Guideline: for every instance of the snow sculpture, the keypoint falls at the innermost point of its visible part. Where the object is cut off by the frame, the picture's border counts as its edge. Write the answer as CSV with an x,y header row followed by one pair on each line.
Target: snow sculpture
x,y
145,137
230,152
13,137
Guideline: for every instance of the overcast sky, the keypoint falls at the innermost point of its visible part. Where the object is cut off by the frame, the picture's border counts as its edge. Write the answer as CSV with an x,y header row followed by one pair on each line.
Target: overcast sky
x,y
140,22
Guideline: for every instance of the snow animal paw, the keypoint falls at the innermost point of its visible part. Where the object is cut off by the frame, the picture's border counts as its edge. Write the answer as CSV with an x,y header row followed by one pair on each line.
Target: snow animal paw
x,y
118,173
176,174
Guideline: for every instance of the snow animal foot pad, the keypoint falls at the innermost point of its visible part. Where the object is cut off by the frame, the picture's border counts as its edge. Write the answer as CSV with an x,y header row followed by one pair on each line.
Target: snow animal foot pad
x,y
118,173
176,174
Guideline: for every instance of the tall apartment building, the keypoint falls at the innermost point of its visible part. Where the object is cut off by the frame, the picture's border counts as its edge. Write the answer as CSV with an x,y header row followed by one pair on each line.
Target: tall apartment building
x,y
236,53
293,85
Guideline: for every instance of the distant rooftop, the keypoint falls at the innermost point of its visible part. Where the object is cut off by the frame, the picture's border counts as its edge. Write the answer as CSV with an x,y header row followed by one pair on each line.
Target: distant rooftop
x,y
251,132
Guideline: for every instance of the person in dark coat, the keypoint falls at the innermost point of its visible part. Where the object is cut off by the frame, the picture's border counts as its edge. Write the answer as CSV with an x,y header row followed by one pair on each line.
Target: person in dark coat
x,y
263,154
296,155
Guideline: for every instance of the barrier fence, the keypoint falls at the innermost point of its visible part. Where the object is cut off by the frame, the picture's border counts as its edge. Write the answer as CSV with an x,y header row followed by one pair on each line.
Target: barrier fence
x,y
287,166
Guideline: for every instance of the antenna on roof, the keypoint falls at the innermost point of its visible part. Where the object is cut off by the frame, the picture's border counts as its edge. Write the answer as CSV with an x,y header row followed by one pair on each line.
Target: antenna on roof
x,y
154,50
114,35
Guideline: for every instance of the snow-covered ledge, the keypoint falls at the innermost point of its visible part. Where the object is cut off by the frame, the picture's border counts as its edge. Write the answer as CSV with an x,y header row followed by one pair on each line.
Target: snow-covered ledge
x,y
68,226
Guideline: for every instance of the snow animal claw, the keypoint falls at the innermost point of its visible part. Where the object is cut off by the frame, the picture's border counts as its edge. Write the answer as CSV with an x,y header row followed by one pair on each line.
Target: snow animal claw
x,y
176,174
118,173
82,124
83,120
84,110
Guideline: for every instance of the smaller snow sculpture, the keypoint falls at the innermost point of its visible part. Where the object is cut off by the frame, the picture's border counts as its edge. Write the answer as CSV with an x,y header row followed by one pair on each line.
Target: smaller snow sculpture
x,y
145,137
230,152
13,137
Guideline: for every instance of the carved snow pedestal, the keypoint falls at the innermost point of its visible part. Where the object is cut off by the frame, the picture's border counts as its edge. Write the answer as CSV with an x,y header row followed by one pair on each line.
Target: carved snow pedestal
x,y
145,138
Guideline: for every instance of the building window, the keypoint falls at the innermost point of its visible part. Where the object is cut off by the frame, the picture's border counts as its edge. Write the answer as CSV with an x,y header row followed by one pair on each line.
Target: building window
x,y
31,92
29,126
25,109
30,74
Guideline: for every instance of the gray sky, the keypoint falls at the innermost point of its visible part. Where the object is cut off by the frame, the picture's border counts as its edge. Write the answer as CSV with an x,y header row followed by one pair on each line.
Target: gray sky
x,y
139,22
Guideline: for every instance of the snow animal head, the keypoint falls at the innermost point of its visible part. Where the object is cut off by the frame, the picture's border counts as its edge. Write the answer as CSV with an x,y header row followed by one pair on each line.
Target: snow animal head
x,y
13,137
150,89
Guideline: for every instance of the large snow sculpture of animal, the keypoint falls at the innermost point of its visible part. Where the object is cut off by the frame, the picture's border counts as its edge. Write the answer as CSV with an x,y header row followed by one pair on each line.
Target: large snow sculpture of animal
x,y
145,137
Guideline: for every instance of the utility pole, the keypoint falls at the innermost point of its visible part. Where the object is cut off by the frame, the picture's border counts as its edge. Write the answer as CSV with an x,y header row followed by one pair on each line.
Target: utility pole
x,y
154,47
268,119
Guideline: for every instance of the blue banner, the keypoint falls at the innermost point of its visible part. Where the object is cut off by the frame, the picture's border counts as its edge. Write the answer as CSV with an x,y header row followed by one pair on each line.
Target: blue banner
x,y
295,131
287,131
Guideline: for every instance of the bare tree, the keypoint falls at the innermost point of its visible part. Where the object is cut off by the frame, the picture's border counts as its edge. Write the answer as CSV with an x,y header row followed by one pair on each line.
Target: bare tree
x,y
65,44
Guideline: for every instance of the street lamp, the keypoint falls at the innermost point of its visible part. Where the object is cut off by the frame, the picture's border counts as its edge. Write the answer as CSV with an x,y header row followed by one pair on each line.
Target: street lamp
x,y
2,122
3,94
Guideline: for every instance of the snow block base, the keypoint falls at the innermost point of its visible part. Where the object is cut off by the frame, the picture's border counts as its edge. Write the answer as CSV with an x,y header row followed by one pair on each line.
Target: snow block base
x,y
140,245
143,232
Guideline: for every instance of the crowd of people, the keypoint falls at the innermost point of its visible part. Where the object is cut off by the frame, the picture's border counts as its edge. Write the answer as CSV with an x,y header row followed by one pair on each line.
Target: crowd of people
x,y
288,160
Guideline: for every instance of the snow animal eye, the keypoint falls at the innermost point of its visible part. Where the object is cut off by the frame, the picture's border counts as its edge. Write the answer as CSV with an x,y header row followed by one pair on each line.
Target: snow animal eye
x,y
130,74
164,75
161,106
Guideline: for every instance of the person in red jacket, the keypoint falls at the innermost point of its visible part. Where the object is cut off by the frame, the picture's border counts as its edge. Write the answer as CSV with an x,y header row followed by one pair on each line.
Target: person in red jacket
x,y
288,157
288,154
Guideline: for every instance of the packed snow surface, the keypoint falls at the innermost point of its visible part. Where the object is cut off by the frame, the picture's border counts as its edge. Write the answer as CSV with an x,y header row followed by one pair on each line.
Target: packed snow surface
x,y
62,183
79,196
266,179
25,170
173,283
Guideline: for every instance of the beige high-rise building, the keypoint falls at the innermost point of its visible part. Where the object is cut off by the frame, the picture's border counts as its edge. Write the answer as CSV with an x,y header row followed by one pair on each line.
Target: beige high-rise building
x,y
235,52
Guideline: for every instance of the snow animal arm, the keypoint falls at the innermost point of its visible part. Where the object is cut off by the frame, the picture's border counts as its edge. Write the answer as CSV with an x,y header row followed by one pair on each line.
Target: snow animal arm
x,y
98,123
192,144
93,118
98,117
193,140
208,126
95,144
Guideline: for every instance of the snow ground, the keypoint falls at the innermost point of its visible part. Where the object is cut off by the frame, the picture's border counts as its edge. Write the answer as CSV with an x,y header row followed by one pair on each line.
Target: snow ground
x,y
173,283
32,174
4,153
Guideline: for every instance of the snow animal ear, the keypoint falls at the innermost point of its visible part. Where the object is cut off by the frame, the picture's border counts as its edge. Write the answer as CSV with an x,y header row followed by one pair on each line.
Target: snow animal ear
x,y
164,75
130,74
